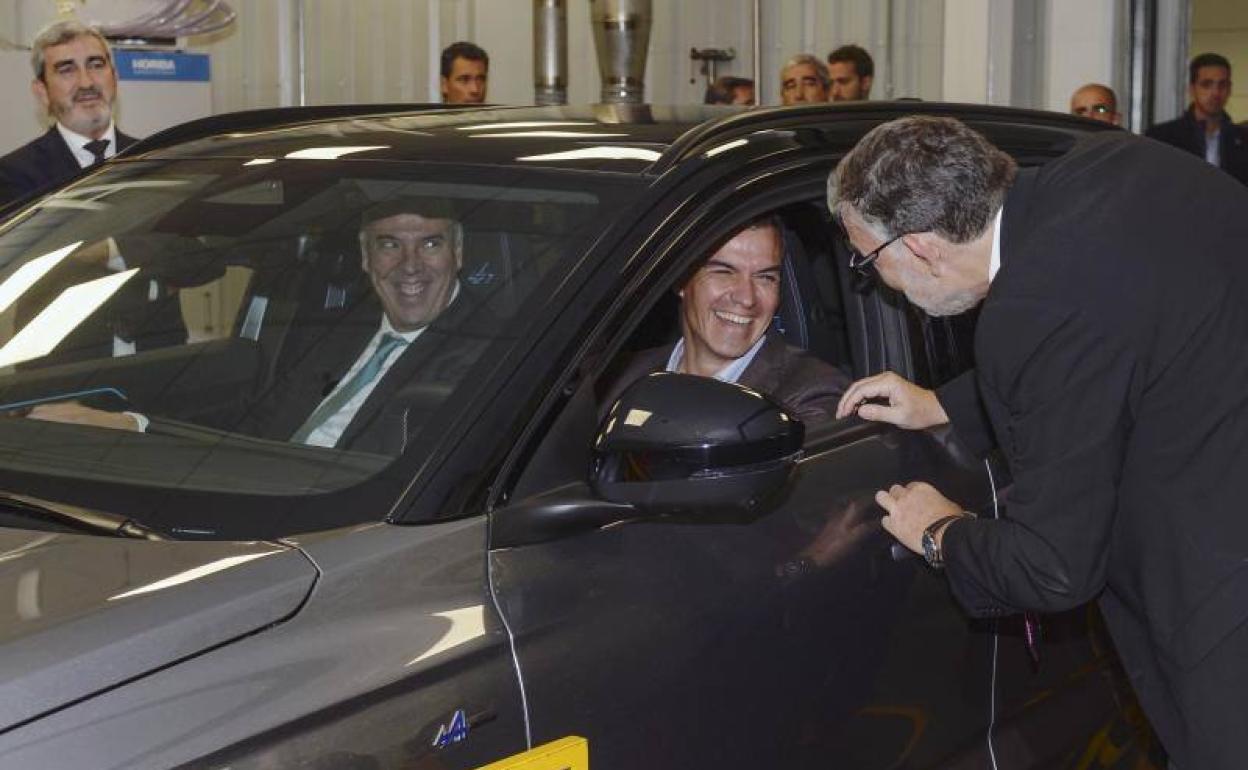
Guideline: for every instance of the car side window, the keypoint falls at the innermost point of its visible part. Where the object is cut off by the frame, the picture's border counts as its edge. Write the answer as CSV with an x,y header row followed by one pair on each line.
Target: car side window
x,y
767,286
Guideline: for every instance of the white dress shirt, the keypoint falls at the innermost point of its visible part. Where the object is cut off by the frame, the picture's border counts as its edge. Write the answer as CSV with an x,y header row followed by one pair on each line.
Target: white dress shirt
x,y
730,373
330,431
994,262
78,144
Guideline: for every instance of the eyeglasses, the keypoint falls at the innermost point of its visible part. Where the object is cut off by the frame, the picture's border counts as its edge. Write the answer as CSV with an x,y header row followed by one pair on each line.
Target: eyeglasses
x,y
1099,109
859,261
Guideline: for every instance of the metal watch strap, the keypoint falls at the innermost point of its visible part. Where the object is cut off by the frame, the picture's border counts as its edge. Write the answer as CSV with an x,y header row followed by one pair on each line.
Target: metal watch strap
x,y
930,532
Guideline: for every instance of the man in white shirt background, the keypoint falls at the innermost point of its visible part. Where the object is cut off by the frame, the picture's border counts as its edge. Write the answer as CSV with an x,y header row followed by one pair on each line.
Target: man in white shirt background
x,y
76,85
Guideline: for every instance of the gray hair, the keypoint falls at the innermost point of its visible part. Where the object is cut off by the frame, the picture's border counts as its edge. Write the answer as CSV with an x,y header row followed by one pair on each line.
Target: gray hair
x,y
821,69
60,33
922,174
426,208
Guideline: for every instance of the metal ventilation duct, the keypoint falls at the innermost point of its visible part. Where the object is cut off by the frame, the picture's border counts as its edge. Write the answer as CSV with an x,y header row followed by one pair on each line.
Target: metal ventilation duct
x,y
550,52
175,18
622,38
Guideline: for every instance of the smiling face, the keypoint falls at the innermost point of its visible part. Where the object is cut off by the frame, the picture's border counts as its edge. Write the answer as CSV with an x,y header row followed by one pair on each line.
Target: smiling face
x,y
730,301
78,85
412,263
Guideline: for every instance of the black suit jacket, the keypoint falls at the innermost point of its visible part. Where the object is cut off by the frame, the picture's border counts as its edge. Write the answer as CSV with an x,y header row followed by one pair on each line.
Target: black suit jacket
x,y
1187,134
794,377
418,382
42,164
1112,355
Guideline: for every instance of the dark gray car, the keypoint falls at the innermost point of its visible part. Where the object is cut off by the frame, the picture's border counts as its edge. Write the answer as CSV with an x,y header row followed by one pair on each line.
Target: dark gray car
x,y
464,577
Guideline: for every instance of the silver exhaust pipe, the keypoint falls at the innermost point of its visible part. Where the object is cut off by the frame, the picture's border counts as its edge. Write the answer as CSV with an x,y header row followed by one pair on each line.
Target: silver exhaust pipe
x,y
622,39
550,52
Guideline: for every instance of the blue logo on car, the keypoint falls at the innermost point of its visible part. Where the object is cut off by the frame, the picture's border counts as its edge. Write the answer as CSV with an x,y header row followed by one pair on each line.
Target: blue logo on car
x,y
455,732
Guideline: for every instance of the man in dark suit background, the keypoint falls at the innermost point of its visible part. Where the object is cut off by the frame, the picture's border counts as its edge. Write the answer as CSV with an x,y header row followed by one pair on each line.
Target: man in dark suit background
x,y
76,85
726,310
364,376
1205,129
1112,352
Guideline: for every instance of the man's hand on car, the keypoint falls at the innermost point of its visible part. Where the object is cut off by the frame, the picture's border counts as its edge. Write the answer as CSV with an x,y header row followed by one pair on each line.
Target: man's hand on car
x,y
911,508
74,413
908,405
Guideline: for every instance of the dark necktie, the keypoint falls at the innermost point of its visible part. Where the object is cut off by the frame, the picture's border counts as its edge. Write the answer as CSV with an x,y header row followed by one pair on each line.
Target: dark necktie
x,y
367,373
97,148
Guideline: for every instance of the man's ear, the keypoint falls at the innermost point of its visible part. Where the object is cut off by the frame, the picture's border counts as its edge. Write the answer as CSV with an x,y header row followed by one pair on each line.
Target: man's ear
x,y
866,85
928,248
445,87
40,91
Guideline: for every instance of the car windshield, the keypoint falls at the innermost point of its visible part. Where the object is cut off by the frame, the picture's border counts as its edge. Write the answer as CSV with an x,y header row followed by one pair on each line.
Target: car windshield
x,y
267,327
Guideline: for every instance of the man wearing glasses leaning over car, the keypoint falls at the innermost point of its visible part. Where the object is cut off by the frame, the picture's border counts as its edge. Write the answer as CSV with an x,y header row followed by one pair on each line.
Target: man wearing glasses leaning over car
x,y
1112,352
355,374
726,309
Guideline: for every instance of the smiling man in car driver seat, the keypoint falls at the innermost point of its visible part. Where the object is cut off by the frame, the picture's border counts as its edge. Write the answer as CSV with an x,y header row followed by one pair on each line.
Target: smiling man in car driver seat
x,y
1111,354
726,310
355,377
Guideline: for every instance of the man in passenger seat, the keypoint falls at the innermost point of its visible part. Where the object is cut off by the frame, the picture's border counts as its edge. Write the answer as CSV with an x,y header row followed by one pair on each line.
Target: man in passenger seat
x,y
353,380
727,306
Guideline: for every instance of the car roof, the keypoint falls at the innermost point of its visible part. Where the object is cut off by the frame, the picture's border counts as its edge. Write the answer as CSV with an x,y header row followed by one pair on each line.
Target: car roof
x,y
630,139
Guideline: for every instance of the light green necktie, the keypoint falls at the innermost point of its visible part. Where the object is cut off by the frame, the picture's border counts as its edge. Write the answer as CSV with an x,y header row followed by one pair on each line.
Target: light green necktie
x,y
336,401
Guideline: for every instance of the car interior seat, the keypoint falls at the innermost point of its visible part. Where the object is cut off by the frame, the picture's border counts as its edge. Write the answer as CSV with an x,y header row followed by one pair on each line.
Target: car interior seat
x,y
806,317
494,264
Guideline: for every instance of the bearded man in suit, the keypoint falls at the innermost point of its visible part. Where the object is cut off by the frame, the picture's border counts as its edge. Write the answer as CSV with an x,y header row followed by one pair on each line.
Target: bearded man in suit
x,y
1111,356
726,311
76,85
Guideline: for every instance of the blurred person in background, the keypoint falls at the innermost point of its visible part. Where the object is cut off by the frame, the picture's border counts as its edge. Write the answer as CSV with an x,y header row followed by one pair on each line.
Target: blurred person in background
x,y
76,85
465,73
851,71
1097,102
1205,130
804,78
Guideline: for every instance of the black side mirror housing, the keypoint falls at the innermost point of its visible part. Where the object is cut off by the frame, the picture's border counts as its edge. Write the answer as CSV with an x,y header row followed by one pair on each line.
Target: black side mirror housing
x,y
676,443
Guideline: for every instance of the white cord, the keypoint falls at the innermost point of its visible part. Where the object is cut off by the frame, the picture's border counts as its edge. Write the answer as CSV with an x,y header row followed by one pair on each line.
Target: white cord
x,y
992,693
515,655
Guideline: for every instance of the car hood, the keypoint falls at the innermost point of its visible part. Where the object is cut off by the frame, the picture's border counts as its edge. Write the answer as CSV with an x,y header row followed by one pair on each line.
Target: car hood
x,y
85,613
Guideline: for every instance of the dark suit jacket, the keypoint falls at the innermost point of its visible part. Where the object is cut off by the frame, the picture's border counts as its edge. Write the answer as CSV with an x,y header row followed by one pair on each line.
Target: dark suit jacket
x,y
42,164
795,378
418,382
1112,355
1187,134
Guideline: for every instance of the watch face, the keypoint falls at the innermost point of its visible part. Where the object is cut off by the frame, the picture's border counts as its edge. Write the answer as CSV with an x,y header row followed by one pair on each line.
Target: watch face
x,y
929,548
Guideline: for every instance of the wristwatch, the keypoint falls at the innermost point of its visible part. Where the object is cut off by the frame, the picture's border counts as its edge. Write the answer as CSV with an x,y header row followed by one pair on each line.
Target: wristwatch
x,y
931,547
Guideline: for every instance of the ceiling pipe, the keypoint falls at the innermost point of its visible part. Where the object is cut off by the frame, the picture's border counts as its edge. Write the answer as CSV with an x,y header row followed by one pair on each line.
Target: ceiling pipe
x,y
757,47
550,52
622,39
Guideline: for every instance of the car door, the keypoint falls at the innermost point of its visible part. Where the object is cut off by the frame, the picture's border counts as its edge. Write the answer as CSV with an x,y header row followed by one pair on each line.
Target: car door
x,y
791,639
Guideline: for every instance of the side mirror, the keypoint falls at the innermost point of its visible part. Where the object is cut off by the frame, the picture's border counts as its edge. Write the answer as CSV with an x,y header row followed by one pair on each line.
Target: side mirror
x,y
678,442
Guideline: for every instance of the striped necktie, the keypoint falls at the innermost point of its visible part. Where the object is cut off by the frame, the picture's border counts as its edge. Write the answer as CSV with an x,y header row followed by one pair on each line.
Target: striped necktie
x,y
341,397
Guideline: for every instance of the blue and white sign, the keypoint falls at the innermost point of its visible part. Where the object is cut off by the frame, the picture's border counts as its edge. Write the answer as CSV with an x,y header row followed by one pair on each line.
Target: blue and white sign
x,y
166,66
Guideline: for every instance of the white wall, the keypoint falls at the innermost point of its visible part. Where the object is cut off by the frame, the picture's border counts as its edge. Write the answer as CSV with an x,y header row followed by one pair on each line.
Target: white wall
x,y
386,50
1080,48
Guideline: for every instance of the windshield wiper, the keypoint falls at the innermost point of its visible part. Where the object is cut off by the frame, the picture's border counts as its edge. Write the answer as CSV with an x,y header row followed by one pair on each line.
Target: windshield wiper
x,y
83,519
